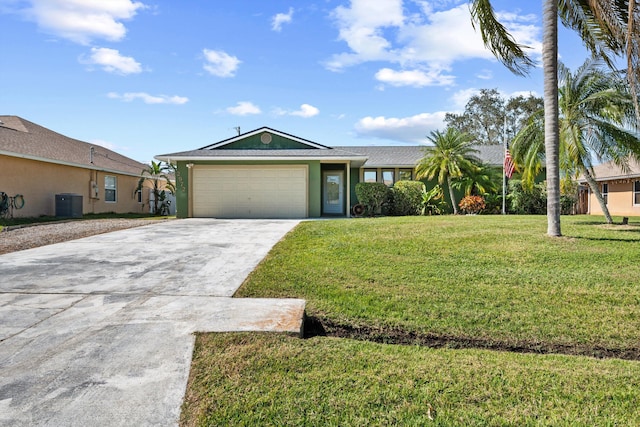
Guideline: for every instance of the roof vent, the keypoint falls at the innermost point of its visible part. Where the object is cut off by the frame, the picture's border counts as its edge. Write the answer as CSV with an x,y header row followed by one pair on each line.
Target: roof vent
x,y
266,138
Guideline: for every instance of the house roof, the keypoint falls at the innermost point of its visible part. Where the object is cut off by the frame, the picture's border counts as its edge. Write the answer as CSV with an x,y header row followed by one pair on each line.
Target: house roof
x,y
610,171
22,138
398,156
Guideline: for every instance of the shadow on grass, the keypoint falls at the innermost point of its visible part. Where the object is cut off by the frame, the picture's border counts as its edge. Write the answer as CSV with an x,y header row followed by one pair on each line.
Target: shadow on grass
x,y
315,326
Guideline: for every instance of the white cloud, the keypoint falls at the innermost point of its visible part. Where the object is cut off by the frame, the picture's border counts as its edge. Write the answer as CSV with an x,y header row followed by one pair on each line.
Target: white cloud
x,y
429,39
109,145
415,78
461,97
306,111
149,99
406,129
281,18
220,63
82,21
112,61
244,108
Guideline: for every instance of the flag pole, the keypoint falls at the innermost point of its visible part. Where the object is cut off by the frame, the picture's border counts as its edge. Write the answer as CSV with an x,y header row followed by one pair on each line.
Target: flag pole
x,y
504,171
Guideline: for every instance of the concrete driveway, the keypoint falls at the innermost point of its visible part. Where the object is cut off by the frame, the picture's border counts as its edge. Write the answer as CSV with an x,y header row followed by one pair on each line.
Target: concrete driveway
x,y
99,331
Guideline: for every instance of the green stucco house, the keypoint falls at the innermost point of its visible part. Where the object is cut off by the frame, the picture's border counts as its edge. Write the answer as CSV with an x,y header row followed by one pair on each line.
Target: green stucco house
x,y
266,173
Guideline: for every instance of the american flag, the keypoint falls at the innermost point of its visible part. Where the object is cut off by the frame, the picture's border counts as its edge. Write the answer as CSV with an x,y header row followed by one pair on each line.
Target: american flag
x,y
509,166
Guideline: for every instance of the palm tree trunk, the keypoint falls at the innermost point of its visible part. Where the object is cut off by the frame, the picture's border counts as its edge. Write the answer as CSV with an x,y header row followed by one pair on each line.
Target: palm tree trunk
x,y
452,196
596,190
551,113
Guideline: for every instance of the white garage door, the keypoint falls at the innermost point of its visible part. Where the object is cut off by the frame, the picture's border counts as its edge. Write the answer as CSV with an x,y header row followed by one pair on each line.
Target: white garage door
x,y
250,191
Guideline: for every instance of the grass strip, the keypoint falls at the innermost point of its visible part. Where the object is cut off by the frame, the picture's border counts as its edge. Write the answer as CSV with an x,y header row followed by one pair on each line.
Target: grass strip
x,y
248,379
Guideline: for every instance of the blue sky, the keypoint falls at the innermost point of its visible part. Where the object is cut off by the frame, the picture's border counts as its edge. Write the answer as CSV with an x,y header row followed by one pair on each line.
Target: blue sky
x,y
152,77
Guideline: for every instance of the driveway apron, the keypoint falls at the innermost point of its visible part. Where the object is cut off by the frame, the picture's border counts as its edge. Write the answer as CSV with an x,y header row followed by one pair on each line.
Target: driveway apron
x,y
99,331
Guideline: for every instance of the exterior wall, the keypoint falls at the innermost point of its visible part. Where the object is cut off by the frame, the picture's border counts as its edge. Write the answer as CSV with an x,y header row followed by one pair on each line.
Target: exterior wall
x,y
183,177
39,182
620,200
254,143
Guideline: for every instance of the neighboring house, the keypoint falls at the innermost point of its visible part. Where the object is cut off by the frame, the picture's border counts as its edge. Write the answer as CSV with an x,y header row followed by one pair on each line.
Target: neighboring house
x,y
266,173
41,164
620,189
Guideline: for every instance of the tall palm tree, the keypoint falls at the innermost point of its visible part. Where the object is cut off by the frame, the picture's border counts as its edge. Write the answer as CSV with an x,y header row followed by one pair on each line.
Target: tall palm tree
x,y
596,121
607,27
451,156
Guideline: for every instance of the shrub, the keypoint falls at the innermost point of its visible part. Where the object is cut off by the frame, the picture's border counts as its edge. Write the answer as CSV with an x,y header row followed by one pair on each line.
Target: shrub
x,y
533,201
472,204
406,198
372,195
432,201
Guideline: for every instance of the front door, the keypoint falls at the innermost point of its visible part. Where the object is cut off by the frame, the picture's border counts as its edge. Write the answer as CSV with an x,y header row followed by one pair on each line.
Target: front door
x,y
332,192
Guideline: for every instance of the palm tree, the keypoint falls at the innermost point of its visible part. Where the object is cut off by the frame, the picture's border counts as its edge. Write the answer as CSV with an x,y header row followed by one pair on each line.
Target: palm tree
x,y
156,177
596,121
450,157
607,27
480,180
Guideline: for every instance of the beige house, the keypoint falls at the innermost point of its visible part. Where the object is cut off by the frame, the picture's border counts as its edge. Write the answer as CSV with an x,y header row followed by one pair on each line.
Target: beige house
x,y
620,189
41,164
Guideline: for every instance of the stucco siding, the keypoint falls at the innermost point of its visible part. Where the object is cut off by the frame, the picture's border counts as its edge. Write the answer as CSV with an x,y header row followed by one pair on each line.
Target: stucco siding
x,y
39,182
620,200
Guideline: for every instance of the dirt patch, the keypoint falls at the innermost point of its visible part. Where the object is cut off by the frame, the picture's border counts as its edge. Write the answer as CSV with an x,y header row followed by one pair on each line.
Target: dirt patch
x,y
315,326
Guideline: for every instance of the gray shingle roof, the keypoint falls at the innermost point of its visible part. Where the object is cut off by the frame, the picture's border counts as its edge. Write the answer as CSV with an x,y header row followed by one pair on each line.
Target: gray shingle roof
x,y
23,138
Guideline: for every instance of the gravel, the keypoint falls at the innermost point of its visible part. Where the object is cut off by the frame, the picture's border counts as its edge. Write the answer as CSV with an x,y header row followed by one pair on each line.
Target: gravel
x,y
18,238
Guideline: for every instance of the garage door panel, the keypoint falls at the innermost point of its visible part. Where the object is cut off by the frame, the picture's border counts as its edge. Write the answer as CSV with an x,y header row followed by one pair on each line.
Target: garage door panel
x,y
250,191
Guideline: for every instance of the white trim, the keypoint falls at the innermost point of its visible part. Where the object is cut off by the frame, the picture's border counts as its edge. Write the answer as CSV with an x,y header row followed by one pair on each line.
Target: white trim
x,y
262,130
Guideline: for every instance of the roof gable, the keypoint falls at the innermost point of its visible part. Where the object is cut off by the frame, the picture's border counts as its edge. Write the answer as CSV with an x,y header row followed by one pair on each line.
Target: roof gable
x,y
22,138
265,138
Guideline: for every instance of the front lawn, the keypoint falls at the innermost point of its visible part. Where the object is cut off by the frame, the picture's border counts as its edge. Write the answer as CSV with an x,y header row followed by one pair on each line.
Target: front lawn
x,y
464,281
493,279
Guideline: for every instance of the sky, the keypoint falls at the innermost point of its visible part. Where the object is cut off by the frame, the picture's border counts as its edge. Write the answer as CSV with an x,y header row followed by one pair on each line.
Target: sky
x,y
145,78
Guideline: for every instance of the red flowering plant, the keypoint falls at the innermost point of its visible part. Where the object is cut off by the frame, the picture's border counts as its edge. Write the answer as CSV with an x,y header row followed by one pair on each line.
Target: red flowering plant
x,y
472,204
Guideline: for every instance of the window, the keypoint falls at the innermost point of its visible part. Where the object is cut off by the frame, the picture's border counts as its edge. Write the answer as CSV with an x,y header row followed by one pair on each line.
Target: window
x,y
109,188
405,174
387,178
370,175
636,193
605,192
139,196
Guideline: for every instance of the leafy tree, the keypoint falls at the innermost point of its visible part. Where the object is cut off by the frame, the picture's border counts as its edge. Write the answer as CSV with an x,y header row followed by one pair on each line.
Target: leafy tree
x,y
156,177
487,116
451,156
596,117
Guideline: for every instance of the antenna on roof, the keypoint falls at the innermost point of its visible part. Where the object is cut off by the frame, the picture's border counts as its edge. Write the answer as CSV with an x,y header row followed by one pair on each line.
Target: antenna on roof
x,y
237,128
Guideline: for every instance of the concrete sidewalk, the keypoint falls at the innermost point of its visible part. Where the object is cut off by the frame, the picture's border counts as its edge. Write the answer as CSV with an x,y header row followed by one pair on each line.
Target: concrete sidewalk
x,y
99,331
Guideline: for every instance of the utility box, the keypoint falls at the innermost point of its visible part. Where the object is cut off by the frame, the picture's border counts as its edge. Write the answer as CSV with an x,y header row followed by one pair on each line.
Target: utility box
x,y
69,205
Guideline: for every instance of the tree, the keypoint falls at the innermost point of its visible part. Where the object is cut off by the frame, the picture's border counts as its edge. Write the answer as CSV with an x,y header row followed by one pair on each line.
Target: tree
x,y
480,180
608,28
451,156
596,121
156,177
486,114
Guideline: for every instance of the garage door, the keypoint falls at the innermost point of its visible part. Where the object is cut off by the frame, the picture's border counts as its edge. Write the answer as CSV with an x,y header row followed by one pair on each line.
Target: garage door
x,y
250,191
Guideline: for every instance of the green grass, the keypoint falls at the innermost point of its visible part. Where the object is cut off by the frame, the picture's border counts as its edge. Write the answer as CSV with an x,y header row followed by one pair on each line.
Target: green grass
x,y
493,278
483,279
276,380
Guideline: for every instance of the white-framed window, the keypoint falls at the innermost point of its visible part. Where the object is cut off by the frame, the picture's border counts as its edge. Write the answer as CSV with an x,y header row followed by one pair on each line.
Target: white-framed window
x,y
370,175
110,189
405,174
636,192
387,177
605,192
